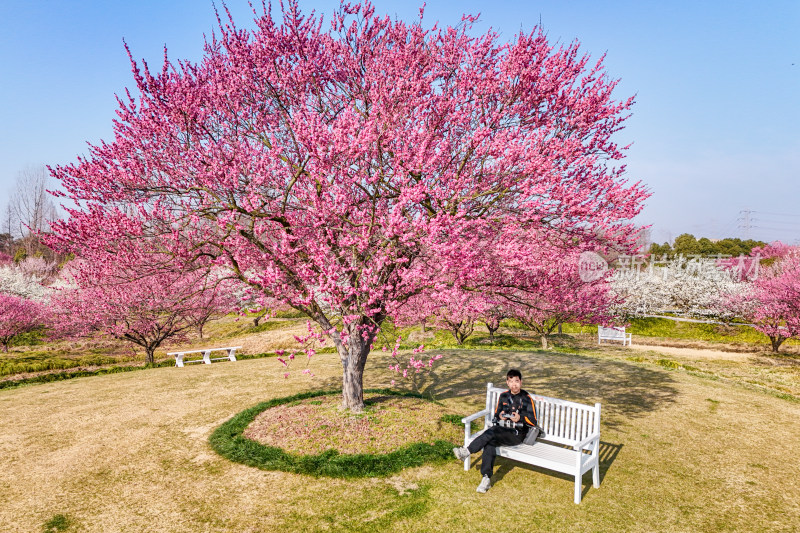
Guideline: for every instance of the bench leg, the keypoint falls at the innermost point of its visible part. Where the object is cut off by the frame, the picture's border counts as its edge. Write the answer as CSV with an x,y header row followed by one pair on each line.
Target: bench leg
x,y
207,357
578,489
179,360
232,354
466,443
596,476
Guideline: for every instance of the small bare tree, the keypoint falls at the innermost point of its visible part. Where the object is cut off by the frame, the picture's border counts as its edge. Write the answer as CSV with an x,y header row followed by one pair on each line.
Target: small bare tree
x,y
31,209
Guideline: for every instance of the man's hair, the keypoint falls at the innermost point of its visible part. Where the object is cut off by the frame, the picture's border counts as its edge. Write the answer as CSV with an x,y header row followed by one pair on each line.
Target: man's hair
x,y
514,373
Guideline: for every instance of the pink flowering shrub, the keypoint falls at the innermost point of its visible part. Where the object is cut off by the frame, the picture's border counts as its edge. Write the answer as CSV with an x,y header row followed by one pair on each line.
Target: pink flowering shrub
x,y
141,308
772,301
18,316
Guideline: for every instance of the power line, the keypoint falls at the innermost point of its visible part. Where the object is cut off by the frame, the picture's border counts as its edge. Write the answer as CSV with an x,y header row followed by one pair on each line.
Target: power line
x,y
777,214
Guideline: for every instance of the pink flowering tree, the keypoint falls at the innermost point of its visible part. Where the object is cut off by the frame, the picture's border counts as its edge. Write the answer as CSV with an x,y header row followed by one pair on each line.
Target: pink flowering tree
x,y
214,298
333,166
553,292
493,316
144,309
772,300
257,303
19,316
451,308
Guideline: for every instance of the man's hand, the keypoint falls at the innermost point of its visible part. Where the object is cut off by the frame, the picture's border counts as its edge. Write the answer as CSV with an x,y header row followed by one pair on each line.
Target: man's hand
x,y
514,417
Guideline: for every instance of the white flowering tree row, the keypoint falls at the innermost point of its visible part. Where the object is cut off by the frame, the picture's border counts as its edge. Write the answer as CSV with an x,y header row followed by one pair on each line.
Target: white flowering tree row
x,y
698,287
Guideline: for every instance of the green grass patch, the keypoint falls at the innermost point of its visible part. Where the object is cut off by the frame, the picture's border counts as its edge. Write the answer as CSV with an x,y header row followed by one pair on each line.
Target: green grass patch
x,y
38,362
664,327
31,338
62,376
713,404
227,440
669,364
59,522
476,425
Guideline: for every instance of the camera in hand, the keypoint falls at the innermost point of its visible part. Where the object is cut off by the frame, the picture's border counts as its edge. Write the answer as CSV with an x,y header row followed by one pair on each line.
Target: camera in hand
x,y
506,422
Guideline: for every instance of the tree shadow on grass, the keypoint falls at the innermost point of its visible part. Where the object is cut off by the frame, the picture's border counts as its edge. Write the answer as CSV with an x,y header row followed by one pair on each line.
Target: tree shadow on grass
x,y
608,454
625,390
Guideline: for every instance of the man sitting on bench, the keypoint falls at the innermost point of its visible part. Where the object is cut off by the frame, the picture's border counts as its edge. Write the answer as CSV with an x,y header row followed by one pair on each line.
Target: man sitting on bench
x,y
514,415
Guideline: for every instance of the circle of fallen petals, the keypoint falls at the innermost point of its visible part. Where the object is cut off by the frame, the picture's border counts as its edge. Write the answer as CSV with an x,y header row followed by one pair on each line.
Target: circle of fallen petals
x,y
377,453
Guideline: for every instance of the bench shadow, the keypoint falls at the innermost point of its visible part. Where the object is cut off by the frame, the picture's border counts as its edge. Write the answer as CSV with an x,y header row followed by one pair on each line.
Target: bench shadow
x,y
608,454
625,390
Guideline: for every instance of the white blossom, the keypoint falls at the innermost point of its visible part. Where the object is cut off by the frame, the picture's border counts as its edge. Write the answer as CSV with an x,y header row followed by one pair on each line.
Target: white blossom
x,y
693,287
15,282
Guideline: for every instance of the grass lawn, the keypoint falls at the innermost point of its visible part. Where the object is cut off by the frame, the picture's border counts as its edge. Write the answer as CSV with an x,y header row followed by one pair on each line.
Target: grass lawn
x,y
681,451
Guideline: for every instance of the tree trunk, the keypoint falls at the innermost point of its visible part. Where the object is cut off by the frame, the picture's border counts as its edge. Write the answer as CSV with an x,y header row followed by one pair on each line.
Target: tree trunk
x,y
423,326
257,318
150,354
455,329
559,329
353,354
776,342
492,327
544,342
461,330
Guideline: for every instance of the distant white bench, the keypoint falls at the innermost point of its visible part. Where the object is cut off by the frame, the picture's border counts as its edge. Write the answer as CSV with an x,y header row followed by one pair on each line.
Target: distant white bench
x,y
613,334
231,350
569,443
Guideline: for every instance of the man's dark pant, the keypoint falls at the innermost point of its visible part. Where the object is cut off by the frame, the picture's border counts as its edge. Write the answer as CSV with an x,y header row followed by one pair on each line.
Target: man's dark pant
x,y
491,439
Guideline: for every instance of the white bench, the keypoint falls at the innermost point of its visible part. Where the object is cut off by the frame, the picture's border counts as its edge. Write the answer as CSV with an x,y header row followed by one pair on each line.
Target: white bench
x,y
613,334
179,361
569,443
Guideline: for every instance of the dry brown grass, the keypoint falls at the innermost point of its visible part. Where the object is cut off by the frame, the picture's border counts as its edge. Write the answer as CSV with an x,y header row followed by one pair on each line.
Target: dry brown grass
x,y
129,452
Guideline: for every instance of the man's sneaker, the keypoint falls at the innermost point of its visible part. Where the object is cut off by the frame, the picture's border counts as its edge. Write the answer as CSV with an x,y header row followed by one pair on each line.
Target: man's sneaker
x,y
461,453
485,484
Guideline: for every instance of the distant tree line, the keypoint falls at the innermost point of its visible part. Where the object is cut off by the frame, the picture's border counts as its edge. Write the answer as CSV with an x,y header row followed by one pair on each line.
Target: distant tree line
x,y
687,245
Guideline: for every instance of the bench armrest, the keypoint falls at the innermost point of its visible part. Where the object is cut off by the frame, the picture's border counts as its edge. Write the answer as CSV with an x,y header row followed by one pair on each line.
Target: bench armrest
x,y
470,418
582,444
467,421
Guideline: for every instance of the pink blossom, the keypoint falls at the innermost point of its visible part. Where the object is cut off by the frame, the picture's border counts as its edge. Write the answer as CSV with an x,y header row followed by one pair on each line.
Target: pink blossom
x,y
488,152
132,299
19,316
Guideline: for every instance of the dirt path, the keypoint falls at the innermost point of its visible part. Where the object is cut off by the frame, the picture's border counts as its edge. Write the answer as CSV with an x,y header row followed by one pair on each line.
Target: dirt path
x,y
695,353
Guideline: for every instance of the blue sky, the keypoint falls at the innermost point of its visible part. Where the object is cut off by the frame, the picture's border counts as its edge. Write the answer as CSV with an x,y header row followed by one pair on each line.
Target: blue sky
x,y
715,130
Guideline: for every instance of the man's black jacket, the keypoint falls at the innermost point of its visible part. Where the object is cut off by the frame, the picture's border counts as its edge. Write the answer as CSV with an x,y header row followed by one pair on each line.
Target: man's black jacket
x,y
522,402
